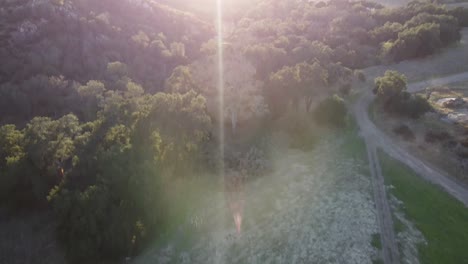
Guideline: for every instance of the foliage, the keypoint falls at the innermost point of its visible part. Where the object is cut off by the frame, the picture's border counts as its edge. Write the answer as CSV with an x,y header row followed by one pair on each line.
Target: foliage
x,y
340,31
405,132
390,86
414,42
461,14
332,111
88,228
82,40
243,100
393,97
88,128
106,169
360,75
291,84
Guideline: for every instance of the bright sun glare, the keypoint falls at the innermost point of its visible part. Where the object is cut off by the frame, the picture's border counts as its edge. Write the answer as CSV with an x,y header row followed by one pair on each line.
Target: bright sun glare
x,y
234,205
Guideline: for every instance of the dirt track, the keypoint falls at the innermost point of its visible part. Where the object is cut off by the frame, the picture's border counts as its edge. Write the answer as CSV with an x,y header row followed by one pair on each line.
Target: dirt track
x,y
379,139
375,138
390,252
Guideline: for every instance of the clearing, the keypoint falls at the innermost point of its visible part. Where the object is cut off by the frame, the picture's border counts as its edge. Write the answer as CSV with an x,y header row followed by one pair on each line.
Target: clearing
x,y
317,207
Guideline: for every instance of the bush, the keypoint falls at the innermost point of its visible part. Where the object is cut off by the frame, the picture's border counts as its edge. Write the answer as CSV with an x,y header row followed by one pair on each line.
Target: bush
x,y
255,162
405,132
360,75
94,224
461,14
415,42
464,142
392,95
252,163
432,136
331,112
414,107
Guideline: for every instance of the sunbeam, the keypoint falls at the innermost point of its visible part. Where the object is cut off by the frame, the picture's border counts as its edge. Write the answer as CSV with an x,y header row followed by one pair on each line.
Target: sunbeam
x,y
219,23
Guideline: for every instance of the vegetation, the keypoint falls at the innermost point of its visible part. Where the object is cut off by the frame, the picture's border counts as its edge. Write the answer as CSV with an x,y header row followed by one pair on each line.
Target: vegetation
x,y
376,241
393,97
430,208
331,111
107,105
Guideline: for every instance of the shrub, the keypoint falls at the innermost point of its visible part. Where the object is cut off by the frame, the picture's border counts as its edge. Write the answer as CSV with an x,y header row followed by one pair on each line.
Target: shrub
x,y
415,42
405,132
432,136
94,224
331,112
461,14
255,162
251,163
464,142
414,107
360,75
392,95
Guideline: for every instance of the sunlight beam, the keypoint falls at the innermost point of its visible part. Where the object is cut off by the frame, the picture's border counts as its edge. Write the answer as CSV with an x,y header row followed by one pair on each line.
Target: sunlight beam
x,y
219,23
220,255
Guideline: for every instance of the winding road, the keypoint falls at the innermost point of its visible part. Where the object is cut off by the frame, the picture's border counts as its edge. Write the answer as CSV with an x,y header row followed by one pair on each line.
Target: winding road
x,y
376,138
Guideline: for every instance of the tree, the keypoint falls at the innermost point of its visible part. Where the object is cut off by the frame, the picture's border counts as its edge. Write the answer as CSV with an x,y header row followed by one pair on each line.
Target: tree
x,y
116,71
282,89
11,155
390,87
242,97
392,95
176,124
266,58
414,42
312,79
181,81
92,94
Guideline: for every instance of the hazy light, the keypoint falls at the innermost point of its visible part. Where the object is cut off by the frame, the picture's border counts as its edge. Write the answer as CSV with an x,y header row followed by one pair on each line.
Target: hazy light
x,y
219,23
235,202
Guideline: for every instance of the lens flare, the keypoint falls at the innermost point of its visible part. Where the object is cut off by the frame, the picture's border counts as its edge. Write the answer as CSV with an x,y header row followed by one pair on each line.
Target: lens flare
x,y
235,201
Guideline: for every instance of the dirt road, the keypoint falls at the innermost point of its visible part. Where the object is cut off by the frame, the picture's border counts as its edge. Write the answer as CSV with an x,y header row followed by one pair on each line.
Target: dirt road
x,y
379,139
375,138
390,252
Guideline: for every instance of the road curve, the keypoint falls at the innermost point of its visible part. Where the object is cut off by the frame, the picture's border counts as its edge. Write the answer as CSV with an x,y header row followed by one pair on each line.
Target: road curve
x,y
381,140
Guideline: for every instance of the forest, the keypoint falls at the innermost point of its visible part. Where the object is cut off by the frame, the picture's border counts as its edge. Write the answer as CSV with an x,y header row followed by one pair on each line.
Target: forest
x,y
104,103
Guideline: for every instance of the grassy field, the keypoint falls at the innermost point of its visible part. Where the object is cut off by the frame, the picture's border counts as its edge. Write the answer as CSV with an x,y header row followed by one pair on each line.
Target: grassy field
x,y
315,206
442,219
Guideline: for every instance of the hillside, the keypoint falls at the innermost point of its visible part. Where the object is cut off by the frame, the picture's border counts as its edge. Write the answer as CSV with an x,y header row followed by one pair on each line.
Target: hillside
x,y
127,134
77,39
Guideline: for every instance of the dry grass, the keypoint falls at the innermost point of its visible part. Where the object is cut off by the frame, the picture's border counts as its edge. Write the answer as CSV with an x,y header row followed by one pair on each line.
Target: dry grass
x,y
316,207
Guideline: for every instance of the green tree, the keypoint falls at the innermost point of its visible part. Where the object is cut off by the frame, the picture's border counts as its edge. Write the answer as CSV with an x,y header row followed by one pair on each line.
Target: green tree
x,y
390,86
312,80
181,81
392,95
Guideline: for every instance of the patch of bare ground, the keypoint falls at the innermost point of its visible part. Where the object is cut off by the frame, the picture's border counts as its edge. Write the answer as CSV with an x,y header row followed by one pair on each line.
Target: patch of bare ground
x,y
432,139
